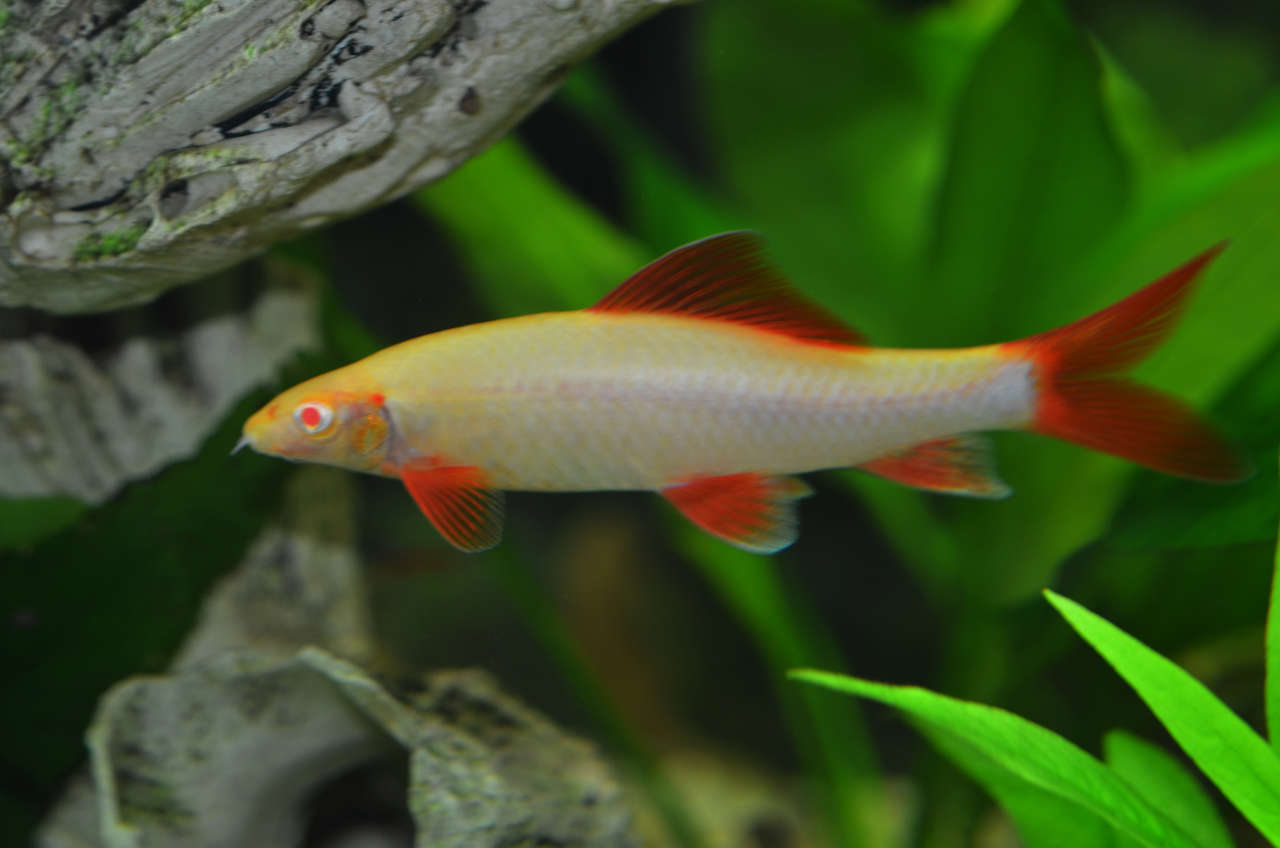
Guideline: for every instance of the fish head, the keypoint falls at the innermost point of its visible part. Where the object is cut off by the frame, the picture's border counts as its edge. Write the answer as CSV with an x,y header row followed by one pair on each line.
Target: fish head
x,y
313,422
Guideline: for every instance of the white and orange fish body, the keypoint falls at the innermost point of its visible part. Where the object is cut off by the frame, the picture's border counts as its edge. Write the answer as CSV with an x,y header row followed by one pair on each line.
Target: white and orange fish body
x,y
703,377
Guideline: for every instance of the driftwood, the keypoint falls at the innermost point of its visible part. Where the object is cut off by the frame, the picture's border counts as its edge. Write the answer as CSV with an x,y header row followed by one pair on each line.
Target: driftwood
x,y
85,422
229,751
147,144
269,700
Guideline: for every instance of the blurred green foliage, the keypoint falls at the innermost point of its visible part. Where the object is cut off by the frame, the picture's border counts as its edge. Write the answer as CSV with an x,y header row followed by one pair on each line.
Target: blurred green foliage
x,y
962,173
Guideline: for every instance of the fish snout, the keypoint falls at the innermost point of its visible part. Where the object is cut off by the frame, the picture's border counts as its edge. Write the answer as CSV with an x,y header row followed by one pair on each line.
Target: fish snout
x,y
257,431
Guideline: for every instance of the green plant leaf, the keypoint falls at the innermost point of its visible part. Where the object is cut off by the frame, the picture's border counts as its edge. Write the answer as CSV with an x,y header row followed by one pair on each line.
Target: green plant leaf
x,y
1235,758
1273,658
25,521
1043,776
1205,71
1236,313
838,164
1044,819
1034,176
1168,786
667,207
924,539
1035,180
1147,142
1163,512
830,736
532,246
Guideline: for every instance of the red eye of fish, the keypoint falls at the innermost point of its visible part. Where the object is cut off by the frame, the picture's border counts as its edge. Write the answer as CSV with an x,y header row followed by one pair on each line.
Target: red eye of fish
x,y
313,417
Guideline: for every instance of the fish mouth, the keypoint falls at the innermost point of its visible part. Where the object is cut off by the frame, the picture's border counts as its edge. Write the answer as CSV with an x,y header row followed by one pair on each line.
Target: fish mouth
x,y
245,441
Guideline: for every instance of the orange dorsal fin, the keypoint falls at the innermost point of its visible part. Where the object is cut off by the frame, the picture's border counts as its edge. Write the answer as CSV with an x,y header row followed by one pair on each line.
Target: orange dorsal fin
x,y
956,465
457,500
754,512
726,278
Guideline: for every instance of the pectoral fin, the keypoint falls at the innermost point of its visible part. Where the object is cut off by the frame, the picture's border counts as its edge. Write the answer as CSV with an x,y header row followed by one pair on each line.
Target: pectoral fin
x,y
957,465
458,502
753,512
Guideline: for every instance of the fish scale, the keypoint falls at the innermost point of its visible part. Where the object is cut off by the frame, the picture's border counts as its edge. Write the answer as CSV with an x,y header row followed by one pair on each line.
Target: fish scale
x,y
706,378
659,398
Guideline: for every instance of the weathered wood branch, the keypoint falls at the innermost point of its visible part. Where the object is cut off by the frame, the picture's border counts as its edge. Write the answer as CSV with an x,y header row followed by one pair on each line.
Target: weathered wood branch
x,y
85,422
147,144
269,700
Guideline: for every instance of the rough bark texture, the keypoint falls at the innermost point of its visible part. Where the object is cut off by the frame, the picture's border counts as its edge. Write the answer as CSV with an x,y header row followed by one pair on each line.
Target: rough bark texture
x,y
146,144
228,748
83,423
300,584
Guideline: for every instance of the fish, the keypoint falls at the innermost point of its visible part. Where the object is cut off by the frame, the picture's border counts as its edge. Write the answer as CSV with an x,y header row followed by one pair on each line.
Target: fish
x,y
707,378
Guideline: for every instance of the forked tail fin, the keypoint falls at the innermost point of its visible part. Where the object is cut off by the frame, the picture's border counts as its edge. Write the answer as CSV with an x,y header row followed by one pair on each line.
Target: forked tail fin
x,y
1083,398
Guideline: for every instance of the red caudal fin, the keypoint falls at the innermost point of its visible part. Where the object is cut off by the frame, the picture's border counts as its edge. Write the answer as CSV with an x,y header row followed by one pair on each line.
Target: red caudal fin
x,y
753,512
1083,399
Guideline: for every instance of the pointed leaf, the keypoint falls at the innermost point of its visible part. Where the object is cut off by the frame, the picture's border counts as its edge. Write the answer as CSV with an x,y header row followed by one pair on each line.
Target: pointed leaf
x,y
1273,658
830,737
837,163
1147,142
1163,781
1235,758
1163,513
1044,819
1020,757
1206,68
666,205
1034,178
532,245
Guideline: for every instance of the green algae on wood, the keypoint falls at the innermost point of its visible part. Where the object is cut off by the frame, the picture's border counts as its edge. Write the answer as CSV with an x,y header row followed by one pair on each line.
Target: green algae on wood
x,y
97,245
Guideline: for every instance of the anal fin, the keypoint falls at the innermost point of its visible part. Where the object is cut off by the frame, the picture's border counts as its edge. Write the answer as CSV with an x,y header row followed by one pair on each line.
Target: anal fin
x,y
956,465
458,503
754,512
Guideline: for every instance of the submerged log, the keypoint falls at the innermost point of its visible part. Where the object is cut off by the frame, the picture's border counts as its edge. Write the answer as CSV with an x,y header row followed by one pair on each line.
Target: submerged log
x,y
147,144
271,700
83,418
